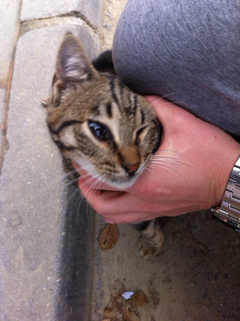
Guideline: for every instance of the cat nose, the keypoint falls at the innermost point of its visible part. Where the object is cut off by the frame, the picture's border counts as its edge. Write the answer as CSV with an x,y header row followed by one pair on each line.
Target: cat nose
x,y
131,168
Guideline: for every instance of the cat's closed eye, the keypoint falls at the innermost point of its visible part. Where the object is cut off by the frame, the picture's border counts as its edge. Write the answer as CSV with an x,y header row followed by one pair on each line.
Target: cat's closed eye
x,y
139,135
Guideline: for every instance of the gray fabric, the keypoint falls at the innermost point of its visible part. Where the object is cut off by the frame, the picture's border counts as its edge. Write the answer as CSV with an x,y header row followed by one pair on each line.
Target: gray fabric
x,y
186,51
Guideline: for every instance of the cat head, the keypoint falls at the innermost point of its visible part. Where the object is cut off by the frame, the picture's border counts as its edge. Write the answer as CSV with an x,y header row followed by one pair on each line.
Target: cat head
x,y
97,121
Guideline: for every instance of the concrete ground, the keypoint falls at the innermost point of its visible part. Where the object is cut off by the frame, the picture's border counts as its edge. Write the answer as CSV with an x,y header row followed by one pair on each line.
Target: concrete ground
x,y
51,265
45,247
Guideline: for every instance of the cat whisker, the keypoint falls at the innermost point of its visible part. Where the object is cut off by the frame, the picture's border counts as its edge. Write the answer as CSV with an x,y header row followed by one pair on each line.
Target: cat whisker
x,y
152,170
99,182
166,154
73,192
175,159
173,175
171,156
170,165
174,169
94,181
68,181
94,186
68,173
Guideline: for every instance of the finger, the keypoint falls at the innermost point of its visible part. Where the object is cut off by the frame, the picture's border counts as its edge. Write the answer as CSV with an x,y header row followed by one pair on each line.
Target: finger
x,y
102,201
161,104
107,203
167,112
111,202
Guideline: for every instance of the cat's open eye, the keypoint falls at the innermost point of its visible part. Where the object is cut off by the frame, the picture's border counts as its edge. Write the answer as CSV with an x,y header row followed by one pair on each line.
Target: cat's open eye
x,y
100,131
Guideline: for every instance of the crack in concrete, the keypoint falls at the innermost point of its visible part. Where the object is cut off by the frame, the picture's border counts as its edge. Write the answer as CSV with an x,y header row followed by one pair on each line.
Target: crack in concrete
x,y
72,17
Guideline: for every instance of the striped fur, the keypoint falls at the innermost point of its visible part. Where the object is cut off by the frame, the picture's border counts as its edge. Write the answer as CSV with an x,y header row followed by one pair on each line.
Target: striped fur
x,y
97,121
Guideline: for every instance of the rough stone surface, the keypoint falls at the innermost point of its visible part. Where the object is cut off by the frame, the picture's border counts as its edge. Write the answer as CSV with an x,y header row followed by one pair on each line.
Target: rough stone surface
x,y
33,196
111,14
38,9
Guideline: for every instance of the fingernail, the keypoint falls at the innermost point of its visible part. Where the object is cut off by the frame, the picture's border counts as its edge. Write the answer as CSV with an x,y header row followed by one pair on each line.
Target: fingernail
x,y
107,220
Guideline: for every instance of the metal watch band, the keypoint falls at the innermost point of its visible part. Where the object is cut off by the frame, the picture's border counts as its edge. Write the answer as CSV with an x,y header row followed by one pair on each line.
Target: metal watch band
x,y
229,211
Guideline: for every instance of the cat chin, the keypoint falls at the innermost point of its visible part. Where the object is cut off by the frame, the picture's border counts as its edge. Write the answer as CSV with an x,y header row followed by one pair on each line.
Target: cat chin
x,y
121,185
117,183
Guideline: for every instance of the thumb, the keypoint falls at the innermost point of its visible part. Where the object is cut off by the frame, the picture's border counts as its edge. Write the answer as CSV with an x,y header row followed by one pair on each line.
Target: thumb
x,y
164,109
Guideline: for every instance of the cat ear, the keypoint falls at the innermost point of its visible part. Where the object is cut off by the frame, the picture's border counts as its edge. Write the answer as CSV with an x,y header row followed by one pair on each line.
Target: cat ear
x,y
72,67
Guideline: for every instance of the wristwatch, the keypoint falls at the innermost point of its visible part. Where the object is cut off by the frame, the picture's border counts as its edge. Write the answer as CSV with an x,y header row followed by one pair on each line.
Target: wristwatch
x,y
229,210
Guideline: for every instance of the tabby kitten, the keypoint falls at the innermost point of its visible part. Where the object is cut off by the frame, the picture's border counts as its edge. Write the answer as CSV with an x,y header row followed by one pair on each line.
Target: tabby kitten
x,y
103,126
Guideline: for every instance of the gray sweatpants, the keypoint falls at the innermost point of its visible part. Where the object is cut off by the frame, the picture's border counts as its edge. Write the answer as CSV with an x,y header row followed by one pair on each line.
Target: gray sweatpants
x,y
186,51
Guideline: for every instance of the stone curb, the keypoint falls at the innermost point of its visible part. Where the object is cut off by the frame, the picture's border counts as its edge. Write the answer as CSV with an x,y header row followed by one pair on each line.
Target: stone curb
x,y
90,10
45,247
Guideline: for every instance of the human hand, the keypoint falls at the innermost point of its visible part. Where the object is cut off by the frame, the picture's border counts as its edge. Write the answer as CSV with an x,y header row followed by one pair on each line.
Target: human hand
x,y
188,173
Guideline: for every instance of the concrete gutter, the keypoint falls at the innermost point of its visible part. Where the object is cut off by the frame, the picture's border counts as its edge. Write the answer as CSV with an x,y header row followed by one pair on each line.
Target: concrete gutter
x,y
45,248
